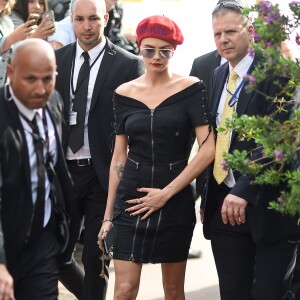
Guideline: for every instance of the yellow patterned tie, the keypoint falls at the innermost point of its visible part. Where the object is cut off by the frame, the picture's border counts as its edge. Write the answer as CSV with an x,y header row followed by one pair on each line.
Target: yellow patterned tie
x,y
223,137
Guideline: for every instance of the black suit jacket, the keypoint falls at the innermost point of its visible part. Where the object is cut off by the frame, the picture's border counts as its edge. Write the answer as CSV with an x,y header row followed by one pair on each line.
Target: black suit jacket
x,y
117,67
203,67
266,225
15,193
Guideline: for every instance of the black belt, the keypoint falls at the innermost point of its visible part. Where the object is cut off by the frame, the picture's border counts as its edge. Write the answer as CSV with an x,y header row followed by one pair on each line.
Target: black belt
x,y
81,162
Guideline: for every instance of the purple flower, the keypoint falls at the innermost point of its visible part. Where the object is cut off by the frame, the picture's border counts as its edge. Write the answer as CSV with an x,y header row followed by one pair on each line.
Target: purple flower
x,y
273,17
269,44
265,7
251,52
250,78
224,165
278,154
297,39
294,3
256,36
280,200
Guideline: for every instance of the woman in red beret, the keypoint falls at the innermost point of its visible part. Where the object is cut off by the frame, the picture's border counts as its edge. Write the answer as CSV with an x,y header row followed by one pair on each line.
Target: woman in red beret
x,y
150,202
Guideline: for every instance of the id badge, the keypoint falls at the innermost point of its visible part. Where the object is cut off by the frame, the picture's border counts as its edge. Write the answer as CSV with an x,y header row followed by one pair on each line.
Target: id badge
x,y
73,118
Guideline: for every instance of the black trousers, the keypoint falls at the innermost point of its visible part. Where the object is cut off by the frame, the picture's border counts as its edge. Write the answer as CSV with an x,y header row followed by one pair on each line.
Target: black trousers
x,y
91,203
246,270
36,273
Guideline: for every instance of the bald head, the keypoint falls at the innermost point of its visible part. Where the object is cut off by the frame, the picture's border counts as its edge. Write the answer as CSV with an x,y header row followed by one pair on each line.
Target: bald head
x,y
100,4
32,72
32,49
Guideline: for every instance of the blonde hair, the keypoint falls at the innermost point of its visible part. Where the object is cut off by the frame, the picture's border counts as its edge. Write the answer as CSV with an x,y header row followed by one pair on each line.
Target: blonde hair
x,y
8,8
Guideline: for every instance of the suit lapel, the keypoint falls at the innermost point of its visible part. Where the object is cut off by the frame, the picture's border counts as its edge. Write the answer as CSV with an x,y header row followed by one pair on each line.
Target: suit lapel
x,y
55,116
67,69
56,124
220,78
13,110
54,119
214,62
102,72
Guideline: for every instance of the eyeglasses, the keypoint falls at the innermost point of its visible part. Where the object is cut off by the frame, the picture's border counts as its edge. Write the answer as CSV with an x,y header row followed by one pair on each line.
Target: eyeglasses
x,y
163,53
230,5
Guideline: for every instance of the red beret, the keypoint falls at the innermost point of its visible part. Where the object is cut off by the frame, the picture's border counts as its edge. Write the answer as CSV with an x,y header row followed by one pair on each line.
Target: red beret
x,y
159,27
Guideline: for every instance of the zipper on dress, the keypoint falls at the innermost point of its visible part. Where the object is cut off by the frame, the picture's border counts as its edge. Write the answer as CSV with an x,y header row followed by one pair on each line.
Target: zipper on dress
x,y
135,162
154,239
148,222
175,163
152,145
134,237
152,180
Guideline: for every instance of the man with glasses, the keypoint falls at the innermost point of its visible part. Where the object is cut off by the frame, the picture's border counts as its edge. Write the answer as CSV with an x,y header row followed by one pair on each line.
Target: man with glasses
x,y
250,242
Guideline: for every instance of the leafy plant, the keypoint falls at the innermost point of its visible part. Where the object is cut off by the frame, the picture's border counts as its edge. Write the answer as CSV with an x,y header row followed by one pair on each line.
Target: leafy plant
x,y
275,160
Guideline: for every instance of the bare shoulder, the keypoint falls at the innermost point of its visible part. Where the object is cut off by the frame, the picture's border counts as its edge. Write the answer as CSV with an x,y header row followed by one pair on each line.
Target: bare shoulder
x,y
186,81
129,88
123,88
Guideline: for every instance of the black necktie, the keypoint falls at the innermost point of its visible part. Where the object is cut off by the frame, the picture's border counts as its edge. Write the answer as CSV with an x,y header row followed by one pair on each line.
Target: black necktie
x,y
39,207
76,136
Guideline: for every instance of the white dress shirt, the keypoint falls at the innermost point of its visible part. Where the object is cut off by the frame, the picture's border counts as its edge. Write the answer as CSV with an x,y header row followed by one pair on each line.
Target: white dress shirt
x,y
84,151
241,69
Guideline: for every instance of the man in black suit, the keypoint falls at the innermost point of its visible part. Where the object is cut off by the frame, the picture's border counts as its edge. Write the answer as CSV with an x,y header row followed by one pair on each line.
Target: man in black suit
x,y
250,242
203,67
88,138
30,127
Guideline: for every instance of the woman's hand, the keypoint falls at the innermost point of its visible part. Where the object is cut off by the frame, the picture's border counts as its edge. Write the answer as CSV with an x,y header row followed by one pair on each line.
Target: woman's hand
x,y
43,30
19,34
154,200
105,228
24,30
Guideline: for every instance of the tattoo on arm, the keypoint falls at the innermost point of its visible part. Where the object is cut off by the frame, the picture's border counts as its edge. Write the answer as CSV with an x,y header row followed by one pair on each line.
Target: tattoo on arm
x,y
119,170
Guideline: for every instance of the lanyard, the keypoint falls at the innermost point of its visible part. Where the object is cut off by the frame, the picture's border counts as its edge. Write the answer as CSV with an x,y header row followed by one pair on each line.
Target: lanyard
x,y
45,125
73,66
48,159
232,100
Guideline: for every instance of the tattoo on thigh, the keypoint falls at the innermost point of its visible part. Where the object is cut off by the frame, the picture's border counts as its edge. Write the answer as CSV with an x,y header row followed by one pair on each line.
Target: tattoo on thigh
x,y
119,170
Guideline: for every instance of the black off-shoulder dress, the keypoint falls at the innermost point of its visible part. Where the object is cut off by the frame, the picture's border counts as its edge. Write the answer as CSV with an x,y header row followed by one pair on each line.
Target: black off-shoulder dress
x,y
160,142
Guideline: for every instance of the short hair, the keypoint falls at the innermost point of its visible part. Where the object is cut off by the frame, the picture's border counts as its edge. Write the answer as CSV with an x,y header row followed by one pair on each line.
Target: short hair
x,y
234,6
242,3
73,3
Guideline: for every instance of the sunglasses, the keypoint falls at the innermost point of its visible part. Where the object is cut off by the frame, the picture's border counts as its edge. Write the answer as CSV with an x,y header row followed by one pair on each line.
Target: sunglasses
x,y
229,5
163,53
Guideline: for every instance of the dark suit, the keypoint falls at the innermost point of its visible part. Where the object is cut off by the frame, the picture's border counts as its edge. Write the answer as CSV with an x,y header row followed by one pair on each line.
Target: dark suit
x,y
203,67
33,265
261,240
117,67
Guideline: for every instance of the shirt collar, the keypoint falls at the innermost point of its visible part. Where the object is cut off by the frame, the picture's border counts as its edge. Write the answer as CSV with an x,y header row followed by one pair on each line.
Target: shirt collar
x,y
93,53
27,112
243,66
